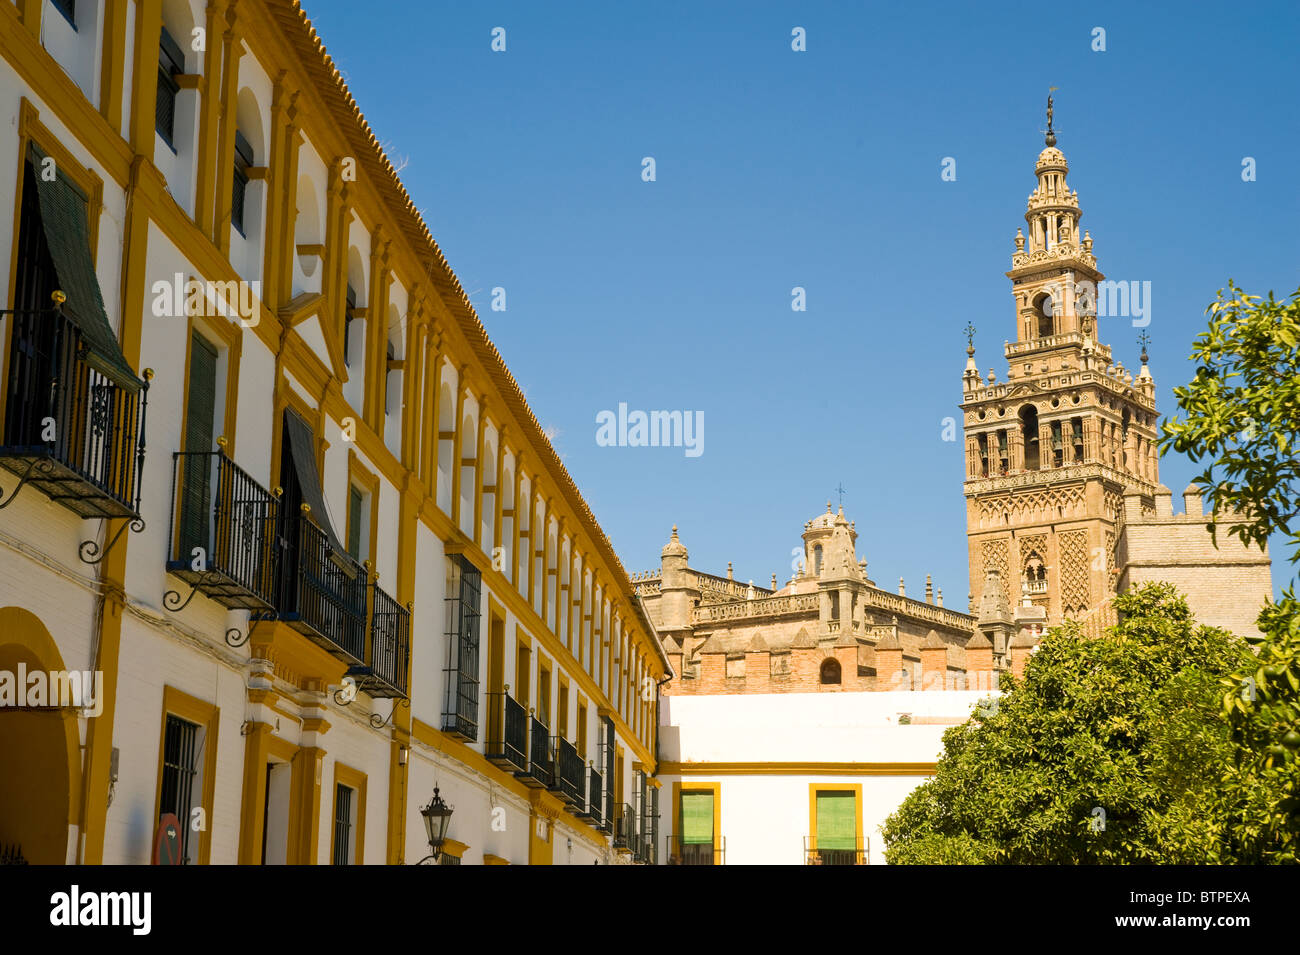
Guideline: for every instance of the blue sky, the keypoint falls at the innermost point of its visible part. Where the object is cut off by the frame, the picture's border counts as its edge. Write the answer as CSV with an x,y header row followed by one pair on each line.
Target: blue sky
x,y
818,169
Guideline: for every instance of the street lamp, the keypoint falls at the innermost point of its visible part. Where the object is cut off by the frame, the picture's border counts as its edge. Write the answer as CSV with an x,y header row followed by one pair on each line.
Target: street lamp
x,y
436,817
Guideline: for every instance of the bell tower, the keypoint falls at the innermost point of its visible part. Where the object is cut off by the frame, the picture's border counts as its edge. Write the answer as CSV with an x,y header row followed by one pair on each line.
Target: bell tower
x,y
1052,449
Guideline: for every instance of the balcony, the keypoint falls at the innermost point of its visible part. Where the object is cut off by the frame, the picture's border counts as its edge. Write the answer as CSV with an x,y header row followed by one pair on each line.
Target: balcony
x,y
507,745
697,853
384,672
591,811
223,532
322,593
627,836
568,772
70,430
540,771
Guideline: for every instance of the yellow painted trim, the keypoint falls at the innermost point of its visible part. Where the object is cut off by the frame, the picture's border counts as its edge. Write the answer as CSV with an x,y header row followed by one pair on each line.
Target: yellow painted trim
x,y
207,715
356,781
796,769
490,859
453,848
814,788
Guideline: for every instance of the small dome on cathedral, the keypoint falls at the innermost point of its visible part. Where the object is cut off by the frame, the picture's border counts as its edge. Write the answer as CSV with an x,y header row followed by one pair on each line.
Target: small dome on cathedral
x,y
823,520
674,547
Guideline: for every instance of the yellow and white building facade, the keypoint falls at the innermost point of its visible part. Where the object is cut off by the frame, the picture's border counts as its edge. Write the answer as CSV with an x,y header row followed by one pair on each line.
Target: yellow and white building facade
x,y
282,547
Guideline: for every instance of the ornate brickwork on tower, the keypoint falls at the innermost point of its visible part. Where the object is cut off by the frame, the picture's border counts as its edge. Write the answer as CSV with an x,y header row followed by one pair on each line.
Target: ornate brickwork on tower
x,y
1052,450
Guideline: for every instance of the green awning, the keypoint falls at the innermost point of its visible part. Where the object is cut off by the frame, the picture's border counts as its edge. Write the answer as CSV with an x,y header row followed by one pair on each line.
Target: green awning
x,y
64,222
837,820
697,818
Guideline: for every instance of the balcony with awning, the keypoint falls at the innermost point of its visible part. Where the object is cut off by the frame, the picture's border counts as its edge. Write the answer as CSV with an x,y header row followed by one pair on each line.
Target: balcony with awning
x,y
74,410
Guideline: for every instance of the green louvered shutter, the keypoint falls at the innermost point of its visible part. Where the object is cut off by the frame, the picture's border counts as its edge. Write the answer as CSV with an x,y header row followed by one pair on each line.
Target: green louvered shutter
x,y
837,820
200,405
697,818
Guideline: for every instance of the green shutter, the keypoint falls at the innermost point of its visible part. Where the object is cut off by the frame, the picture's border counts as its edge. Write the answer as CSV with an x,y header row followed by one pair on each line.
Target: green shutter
x,y
697,818
200,405
837,820
354,523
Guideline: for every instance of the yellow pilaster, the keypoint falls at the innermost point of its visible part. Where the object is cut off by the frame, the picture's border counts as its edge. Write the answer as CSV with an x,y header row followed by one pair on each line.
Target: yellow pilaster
x,y
231,53
29,12
112,73
252,806
407,531
144,85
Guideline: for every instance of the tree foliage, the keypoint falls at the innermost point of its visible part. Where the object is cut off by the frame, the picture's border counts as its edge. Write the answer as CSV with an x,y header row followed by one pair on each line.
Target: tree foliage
x,y
1100,753
1242,417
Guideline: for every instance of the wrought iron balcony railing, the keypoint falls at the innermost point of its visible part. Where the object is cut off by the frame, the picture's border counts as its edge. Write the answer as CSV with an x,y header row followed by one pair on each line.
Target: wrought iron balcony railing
x,y
837,856
384,672
569,775
696,853
322,593
70,431
627,836
508,732
223,532
590,807
540,771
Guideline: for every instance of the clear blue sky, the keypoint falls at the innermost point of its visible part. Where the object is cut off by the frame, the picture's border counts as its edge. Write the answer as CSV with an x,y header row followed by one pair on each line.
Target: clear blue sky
x,y
818,169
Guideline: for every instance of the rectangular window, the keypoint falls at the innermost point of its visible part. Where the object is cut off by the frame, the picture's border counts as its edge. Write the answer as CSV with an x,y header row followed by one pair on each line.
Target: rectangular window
x,y
356,508
200,409
523,674
171,64
543,693
582,730
179,769
343,802
562,711
837,838
243,160
464,583
349,317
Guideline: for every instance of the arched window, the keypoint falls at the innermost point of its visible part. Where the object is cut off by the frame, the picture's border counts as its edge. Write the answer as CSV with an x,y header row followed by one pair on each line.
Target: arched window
x,y
817,560
1043,315
1029,434
830,673
1035,574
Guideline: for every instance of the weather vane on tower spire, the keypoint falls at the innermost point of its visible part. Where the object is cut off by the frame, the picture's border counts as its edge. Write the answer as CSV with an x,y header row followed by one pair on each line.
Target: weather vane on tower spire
x,y
1050,139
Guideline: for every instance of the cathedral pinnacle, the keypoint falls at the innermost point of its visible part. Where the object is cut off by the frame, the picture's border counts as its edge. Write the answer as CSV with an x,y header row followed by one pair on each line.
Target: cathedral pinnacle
x,y
1050,138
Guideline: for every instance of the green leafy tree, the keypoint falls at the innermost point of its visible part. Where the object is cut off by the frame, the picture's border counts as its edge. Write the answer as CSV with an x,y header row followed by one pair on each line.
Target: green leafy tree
x,y
1100,753
1241,416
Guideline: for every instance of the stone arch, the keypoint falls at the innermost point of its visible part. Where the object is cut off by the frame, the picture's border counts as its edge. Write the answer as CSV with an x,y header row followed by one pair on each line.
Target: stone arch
x,y
829,673
40,772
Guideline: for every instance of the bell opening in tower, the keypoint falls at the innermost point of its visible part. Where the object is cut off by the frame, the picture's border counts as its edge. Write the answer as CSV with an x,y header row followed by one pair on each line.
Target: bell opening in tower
x,y
1043,316
1029,431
